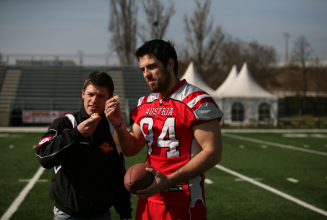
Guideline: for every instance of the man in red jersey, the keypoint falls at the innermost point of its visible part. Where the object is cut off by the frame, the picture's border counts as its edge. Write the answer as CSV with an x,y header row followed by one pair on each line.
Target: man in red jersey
x,y
180,125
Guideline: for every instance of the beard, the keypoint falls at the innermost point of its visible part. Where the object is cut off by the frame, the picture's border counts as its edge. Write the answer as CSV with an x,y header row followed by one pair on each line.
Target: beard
x,y
161,83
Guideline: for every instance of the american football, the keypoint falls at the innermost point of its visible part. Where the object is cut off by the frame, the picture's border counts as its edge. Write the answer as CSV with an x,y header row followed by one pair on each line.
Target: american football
x,y
137,177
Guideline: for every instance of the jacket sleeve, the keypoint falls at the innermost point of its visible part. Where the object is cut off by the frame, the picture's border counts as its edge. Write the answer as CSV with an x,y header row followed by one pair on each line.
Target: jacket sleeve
x,y
122,198
56,143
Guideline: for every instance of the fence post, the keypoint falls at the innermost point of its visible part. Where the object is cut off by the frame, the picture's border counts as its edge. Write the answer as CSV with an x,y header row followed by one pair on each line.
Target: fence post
x,y
9,111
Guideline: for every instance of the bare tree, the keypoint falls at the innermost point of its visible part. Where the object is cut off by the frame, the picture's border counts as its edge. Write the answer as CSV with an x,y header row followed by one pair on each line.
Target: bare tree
x,y
286,35
198,28
122,25
258,57
157,19
232,53
301,52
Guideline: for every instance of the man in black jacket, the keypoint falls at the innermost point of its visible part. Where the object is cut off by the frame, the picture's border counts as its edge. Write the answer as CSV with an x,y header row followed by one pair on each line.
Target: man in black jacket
x,y
88,168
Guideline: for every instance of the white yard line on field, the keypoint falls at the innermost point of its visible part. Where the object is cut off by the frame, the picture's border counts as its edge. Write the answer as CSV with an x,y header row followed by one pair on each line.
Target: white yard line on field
x,y
292,180
273,130
275,144
273,190
208,181
14,206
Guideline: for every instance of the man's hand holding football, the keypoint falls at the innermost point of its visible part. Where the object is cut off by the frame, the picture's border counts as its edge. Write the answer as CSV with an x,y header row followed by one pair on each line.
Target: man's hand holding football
x,y
161,182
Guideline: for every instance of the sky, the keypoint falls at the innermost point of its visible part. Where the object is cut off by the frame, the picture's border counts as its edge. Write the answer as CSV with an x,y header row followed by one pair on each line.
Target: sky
x,y
69,26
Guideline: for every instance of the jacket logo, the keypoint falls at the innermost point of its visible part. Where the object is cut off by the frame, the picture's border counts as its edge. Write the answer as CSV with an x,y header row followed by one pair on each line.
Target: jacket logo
x,y
43,140
106,147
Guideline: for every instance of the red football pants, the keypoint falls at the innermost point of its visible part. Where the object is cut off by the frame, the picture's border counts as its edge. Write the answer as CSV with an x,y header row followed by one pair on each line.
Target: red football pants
x,y
147,210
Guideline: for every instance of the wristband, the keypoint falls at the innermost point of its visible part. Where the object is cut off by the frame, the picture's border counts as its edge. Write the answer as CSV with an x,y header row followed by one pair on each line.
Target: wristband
x,y
118,125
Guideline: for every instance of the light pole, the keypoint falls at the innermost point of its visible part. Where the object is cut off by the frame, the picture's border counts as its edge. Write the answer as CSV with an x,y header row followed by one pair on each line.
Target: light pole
x,y
286,35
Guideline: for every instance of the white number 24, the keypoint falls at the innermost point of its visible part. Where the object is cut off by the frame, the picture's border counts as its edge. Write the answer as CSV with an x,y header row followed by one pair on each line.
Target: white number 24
x,y
163,141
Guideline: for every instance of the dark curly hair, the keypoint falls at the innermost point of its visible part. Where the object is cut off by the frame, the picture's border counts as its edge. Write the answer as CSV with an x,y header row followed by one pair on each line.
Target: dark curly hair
x,y
162,50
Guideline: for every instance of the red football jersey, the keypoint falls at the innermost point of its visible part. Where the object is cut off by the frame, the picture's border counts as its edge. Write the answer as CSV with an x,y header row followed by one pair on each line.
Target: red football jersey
x,y
167,124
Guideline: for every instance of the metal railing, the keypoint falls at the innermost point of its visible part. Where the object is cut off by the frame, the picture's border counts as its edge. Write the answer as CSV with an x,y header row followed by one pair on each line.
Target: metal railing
x,y
79,59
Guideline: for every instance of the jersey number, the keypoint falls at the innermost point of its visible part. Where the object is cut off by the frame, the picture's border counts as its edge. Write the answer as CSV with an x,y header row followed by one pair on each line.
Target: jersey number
x,y
166,139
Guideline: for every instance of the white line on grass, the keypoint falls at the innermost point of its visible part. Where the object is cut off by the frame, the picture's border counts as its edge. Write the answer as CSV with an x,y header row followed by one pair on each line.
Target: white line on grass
x,y
284,195
14,206
208,181
27,180
240,179
275,144
292,180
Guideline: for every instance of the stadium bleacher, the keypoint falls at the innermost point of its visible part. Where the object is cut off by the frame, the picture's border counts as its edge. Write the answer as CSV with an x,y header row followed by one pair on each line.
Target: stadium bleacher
x,y
59,88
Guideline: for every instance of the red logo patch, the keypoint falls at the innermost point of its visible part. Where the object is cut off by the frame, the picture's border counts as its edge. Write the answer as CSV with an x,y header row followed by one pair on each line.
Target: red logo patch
x,y
43,140
106,147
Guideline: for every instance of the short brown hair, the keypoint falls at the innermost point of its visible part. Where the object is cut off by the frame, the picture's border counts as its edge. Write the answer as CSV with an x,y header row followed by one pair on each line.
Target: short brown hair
x,y
100,78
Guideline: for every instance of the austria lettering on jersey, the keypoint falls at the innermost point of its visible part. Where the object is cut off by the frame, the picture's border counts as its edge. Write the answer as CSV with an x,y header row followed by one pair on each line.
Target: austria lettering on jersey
x,y
159,111
43,140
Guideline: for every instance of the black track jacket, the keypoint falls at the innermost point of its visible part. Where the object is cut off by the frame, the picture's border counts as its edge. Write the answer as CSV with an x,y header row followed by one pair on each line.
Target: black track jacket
x,y
88,173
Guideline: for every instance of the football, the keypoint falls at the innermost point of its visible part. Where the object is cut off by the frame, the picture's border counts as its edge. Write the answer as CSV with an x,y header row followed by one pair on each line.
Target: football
x,y
137,177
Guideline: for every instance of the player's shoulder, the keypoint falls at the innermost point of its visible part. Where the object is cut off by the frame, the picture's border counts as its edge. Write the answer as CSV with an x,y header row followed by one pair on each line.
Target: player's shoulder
x,y
201,103
148,98
189,92
66,120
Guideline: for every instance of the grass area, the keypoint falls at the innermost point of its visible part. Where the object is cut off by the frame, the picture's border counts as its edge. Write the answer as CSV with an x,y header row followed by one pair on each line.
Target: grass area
x,y
227,198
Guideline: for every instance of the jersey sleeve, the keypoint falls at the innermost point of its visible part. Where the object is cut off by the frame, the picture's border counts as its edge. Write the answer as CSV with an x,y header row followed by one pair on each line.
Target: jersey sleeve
x,y
203,107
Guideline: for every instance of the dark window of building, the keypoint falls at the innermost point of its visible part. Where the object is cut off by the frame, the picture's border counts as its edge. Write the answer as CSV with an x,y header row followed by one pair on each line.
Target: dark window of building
x,y
264,111
237,112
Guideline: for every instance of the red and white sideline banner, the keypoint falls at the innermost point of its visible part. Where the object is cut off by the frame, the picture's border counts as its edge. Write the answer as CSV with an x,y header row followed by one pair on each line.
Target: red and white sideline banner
x,y
38,117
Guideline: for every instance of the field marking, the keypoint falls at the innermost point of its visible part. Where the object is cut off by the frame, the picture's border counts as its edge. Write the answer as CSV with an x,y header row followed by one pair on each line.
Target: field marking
x,y
272,130
208,181
240,179
292,180
4,135
305,135
39,181
14,206
275,144
273,190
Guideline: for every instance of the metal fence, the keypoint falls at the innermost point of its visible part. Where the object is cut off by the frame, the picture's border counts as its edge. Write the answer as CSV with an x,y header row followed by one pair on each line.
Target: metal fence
x,y
79,59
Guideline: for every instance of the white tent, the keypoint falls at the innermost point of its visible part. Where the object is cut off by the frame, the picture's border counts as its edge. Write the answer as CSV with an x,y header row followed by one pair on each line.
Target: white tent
x,y
246,102
194,78
225,85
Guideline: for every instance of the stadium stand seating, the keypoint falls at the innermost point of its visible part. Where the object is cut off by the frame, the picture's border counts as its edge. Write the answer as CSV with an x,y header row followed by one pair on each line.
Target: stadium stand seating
x,y
60,88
